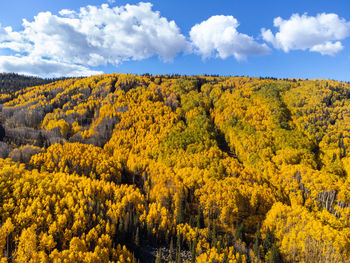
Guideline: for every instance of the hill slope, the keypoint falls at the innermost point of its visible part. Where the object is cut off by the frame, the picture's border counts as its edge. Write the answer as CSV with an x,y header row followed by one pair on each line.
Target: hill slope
x,y
10,83
218,167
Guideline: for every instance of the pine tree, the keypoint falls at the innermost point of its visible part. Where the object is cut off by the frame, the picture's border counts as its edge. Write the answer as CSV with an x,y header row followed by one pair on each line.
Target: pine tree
x,y
121,230
225,260
192,222
171,249
180,215
268,241
219,246
239,235
178,256
137,237
40,140
257,242
193,250
274,255
178,248
200,219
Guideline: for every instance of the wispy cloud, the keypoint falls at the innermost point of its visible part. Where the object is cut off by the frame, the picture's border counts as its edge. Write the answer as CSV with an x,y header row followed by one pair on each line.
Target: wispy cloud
x,y
37,66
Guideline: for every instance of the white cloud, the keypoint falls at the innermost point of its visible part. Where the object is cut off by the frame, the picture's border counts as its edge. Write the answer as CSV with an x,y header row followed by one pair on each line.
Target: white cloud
x,y
67,13
328,48
42,67
218,36
321,33
96,35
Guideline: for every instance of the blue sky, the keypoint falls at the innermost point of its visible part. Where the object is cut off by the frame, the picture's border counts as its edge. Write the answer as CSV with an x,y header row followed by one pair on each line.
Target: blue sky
x,y
310,40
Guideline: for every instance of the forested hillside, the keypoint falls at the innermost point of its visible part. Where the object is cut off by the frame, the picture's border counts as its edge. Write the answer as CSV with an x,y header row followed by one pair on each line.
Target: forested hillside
x,y
129,168
12,82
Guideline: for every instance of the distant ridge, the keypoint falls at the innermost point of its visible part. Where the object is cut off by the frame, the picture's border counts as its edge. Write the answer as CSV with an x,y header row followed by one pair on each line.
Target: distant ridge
x,y
12,82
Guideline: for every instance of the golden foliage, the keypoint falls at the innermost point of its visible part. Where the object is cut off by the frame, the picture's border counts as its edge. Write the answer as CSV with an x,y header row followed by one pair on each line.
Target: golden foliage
x,y
123,160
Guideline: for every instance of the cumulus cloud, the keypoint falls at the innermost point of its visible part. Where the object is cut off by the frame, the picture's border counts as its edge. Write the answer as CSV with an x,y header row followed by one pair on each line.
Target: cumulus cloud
x,y
218,36
94,36
321,33
67,13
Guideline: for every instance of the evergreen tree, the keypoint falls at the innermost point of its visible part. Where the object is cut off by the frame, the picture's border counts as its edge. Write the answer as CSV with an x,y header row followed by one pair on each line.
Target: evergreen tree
x,y
193,250
180,215
171,249
178,256
192,222
121,230
2,133
219,246
178,241
257,242
137,237
274,255
268,241
239,235
225,260
178,248
200,219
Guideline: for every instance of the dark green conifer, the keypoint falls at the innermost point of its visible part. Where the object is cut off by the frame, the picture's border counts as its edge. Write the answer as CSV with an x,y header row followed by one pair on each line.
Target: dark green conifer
x,y
193,250
274,256
256,246
137,237
200,219
171,249
180,215
268,241
239,235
